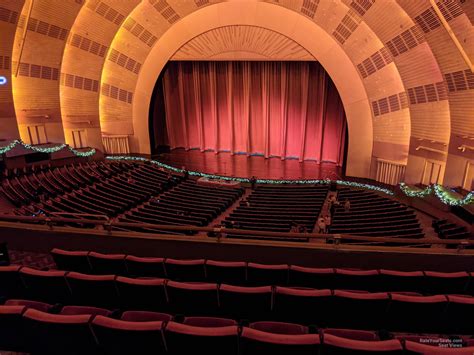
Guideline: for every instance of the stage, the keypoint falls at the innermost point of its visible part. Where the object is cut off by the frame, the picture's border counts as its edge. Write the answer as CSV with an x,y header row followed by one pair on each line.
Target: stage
x,y
240,165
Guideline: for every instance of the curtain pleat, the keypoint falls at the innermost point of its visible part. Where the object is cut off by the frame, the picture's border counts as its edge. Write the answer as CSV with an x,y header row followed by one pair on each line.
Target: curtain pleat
x,y
265,82
182,112
285,109
304,108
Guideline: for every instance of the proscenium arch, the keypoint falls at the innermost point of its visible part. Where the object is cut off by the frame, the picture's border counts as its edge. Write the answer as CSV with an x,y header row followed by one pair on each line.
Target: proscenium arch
x,y
281,20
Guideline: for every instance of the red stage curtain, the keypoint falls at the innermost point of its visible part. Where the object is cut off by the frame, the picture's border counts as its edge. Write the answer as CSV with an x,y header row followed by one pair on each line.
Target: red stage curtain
x,y
284,109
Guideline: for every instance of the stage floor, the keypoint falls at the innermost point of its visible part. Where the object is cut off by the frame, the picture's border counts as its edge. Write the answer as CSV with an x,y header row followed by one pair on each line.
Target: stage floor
x,y
244,166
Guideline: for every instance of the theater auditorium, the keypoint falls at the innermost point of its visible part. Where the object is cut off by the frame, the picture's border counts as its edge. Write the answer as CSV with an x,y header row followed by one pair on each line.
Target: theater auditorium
x,y
236,177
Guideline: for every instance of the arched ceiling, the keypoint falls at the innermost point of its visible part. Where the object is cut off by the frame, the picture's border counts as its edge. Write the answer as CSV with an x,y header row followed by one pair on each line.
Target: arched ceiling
x,y
416,80
242,43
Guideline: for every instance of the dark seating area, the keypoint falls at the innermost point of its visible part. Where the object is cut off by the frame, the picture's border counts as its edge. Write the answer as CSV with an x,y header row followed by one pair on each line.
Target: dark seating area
x,y
40,328
277,208
95,188
373,215
184,317
137,193
186,204
449,230
253,274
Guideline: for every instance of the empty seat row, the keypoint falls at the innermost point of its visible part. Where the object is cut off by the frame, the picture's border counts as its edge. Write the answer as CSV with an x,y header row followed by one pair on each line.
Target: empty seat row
x,y
373,215
92,331
25,187
449,230
333,308
186,204
277,208
243,273
96,188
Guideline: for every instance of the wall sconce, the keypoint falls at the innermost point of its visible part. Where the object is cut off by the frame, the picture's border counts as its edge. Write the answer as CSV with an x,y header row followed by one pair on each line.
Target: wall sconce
x,y
421,147
464,147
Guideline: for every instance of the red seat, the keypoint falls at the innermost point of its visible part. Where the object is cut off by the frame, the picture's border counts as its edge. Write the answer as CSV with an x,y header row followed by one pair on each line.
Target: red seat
x,y
107,264
229,272
336,345
12,286
320,278
393,281
257,342
355,334
145,267
193,299
46,286
93,290
185,270
58,334
71,260
459,315
186,339
279,327
125,337
417,314
358,310
210,322
77,310
142,294
249,303
40,306
145,316
263,274
11,328
438,283
347,279
299,305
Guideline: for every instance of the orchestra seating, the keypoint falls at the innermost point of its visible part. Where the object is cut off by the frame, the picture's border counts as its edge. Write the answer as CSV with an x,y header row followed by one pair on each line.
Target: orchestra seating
x,y
138,193
373,215
449,230
186,204
276,208
97,188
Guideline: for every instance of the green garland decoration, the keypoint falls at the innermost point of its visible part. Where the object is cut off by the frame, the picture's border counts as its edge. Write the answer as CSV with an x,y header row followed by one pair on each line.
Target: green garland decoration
x,y
447,199
259,181
410,192
440,192
47,150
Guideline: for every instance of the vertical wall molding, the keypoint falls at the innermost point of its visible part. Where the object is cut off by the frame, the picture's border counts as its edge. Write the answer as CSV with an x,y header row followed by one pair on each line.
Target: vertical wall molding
x,y
390,172
116,144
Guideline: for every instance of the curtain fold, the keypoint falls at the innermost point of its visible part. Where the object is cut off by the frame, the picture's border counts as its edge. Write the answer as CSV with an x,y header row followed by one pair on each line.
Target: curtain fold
x,y
285,109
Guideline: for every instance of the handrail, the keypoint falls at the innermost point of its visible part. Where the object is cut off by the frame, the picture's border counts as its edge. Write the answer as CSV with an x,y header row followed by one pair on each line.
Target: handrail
x,y
336,238
80,215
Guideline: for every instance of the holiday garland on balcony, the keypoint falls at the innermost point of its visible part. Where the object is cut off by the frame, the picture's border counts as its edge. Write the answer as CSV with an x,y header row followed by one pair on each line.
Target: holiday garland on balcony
x,y
47,150
259,181
415,192
439,190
